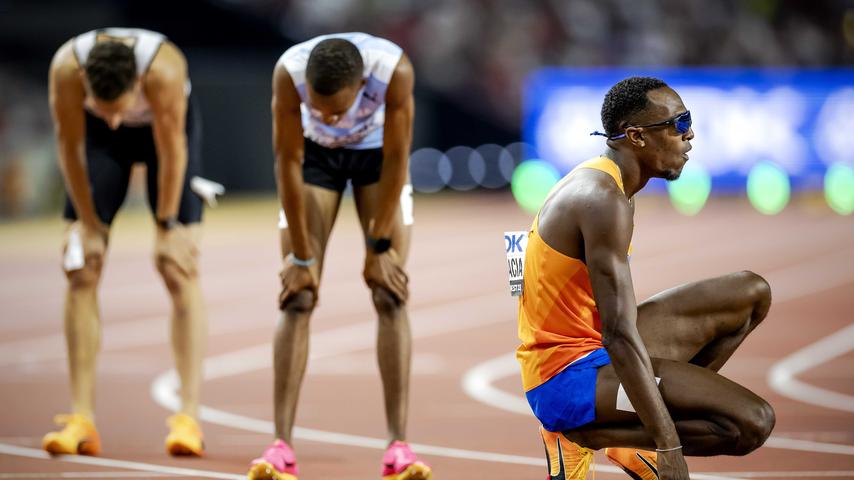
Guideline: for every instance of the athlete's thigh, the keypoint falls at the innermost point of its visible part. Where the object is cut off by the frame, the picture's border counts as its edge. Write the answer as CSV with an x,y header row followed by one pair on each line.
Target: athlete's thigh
x,y
689,391
321,208
677,323
367,205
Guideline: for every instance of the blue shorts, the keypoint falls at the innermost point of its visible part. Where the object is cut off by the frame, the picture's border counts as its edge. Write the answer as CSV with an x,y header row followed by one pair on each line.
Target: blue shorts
x,y
568,400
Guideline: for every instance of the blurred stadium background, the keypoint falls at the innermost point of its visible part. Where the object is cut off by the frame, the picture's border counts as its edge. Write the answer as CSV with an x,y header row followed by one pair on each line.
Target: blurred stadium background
x,y
769,83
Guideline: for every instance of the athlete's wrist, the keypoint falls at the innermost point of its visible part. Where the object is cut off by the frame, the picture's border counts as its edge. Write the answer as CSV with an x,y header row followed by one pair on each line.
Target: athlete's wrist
x,y
301,262
166,223
378,245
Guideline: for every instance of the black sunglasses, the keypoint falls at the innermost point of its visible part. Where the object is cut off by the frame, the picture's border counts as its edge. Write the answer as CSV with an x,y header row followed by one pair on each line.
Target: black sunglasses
x,y
682,122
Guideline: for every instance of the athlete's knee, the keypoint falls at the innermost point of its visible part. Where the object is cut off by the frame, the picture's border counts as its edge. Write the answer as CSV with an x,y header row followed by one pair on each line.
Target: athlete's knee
x,y
755,427
758,291
300,303
173,276
754,286
88,276
385,302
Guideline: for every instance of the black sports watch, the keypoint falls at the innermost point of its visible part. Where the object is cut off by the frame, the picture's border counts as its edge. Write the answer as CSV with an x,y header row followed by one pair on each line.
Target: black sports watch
x,y
378,245
167,223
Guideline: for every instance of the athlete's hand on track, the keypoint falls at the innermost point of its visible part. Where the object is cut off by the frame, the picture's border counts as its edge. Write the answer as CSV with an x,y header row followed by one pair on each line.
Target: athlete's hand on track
x,y
176,246
93,239
295,279
672,466
385,270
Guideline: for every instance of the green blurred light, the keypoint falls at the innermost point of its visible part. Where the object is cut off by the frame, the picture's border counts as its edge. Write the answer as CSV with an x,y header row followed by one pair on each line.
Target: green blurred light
x,y
768,188
839,188
689,193
531,182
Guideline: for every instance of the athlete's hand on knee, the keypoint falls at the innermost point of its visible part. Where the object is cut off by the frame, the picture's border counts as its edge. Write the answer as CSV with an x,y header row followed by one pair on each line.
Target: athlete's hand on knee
x,y
176,246
386,270
672,466
93,239
296,278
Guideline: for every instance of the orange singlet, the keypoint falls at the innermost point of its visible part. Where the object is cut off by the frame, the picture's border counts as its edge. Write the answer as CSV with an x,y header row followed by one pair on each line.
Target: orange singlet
x,y
558,319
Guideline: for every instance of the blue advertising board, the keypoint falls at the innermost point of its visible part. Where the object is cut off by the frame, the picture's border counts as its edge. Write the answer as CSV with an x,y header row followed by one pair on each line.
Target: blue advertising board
x,y
799,120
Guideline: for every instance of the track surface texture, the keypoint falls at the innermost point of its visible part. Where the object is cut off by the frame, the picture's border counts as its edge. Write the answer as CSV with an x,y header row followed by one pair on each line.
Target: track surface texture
x,y
468,418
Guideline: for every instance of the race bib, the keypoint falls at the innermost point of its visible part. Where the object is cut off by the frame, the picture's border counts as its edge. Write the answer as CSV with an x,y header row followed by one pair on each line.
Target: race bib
x,y
514,246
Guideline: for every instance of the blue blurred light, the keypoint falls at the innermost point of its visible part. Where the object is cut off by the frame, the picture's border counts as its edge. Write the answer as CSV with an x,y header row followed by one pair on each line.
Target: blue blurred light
x,y
797,119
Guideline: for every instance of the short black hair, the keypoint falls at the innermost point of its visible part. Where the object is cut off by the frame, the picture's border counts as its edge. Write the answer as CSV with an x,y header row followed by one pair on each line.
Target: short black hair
x,y
626,99
110,69
333,64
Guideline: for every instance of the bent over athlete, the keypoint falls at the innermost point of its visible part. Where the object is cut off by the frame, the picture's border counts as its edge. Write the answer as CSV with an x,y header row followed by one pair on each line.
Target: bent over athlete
x,y
121,96
342,112
591,356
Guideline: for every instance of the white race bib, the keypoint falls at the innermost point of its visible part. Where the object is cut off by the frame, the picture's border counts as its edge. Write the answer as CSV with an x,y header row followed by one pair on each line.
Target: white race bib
x,y
514,246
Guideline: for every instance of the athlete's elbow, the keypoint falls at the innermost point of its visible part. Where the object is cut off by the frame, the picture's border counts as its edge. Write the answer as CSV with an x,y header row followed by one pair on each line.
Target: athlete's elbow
x,y
619,332
617,343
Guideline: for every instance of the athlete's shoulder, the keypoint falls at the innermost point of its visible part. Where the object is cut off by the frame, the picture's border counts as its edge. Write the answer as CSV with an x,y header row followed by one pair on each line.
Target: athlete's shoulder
x,y
168,65
588,192
64,64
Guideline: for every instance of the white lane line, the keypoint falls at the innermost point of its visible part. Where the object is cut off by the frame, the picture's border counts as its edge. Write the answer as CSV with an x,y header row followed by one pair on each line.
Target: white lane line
x,y
801,474
478,384
808,446
113,463
782,374
23,476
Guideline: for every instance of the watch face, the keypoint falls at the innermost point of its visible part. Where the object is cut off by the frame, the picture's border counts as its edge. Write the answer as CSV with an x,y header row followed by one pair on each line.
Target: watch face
x,y
167,224
379,245
383,244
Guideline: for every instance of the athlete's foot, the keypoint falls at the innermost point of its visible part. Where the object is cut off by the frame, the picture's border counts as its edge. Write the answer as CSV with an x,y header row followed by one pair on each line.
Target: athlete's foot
x,y
79,436
277,463
638,464
185,438
566,460
399,463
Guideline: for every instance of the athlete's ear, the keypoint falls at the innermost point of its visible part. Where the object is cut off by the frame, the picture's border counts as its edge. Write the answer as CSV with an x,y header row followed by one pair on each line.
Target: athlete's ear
x,y
635,135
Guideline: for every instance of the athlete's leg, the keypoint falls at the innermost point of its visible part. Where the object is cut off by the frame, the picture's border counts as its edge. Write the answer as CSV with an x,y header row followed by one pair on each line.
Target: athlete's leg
x,y
109,176
713,415
188,316
290,348
704,322
82,323
189,325
394,340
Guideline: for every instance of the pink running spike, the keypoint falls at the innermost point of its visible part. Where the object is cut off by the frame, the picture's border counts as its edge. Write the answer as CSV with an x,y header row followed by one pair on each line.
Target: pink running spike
x,y
281,457
400,462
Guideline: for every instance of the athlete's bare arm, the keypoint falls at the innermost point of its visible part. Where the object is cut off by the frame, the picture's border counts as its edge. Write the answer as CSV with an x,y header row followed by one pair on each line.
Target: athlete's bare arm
x,y
386,269
164,86
597,228
397,137
606,224
67,94
288,146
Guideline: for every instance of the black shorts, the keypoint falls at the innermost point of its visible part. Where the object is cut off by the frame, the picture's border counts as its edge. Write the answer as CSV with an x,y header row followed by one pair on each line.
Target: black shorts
x,y
332,167
110,155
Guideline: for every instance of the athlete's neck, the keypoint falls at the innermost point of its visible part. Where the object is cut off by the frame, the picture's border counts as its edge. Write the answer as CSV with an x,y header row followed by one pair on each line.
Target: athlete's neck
x,y
630,170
